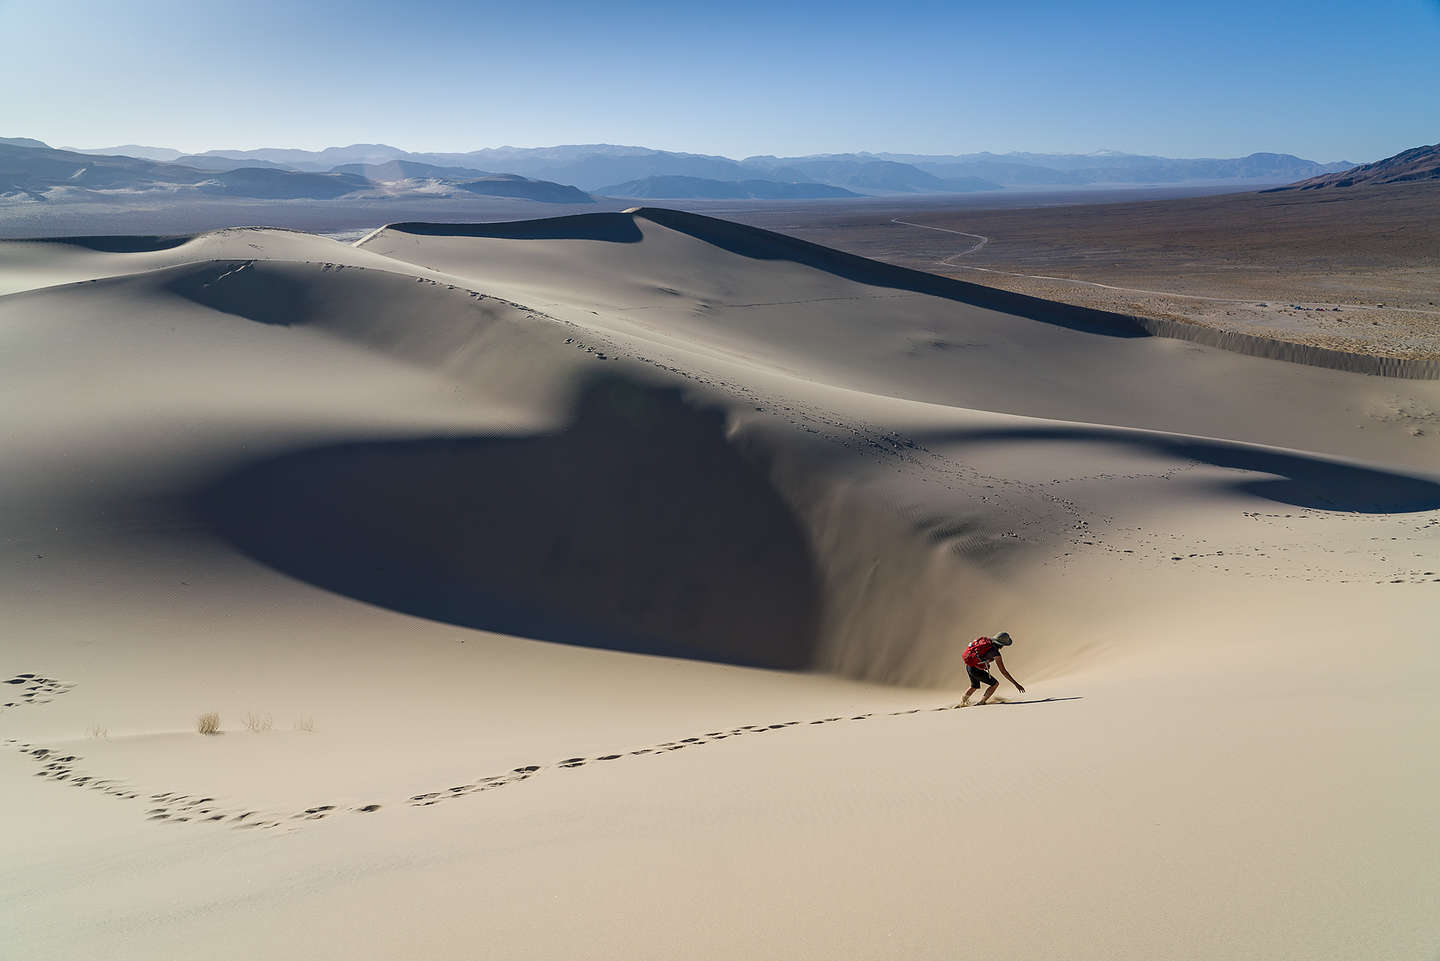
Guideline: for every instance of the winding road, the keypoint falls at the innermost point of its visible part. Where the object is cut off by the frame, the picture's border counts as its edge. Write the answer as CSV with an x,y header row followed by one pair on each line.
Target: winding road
x,y
983,240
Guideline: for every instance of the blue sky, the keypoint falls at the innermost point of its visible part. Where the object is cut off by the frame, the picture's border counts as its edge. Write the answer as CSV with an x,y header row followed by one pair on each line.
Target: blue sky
x,y
1328,81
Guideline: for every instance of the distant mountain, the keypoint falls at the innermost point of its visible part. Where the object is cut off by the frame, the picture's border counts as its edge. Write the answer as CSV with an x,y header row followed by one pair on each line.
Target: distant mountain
x,y
544,173
31,173
592,166
36,171
395,170
513,185
40,173
316,161
411,173
273,184
205,162
1409,166
162,154
701,188
24,142
856,172
1007,173
967,185
1104,167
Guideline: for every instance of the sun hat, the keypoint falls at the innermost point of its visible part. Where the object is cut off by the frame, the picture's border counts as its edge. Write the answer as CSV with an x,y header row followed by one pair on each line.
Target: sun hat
x,y
1003,639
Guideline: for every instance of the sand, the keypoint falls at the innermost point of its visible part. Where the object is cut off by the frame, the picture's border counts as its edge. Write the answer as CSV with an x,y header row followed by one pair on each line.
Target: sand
x,y
1350,270
595,587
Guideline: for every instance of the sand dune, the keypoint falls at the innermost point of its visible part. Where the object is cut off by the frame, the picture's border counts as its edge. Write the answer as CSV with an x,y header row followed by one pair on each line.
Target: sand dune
x,y
648,544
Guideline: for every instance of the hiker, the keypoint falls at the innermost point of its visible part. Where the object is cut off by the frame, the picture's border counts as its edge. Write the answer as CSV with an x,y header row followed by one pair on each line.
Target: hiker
x,y
980,652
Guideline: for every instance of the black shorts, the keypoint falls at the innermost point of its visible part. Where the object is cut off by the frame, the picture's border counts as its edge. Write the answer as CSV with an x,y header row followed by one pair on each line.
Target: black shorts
x,y
979,677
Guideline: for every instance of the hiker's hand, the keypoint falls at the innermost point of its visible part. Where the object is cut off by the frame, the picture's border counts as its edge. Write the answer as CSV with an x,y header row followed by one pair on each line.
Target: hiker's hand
x,y
1019,688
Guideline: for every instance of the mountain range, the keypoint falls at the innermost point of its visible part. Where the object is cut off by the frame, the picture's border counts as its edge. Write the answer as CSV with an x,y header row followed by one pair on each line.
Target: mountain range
x,y
32,171
675,186
570,173
1408,166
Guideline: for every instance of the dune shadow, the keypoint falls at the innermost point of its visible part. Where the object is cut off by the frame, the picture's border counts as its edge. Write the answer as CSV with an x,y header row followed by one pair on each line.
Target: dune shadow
x,y
119,244
759,244
638,527
609,227
1299,480
237,287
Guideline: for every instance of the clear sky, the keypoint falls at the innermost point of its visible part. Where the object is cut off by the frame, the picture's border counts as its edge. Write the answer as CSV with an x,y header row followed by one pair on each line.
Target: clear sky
x,y
1341,80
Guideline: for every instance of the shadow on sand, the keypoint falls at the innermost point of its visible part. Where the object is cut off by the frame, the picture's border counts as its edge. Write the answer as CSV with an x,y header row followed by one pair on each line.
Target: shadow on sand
x,y
613,228
759,244
1299,480
118,244
639,527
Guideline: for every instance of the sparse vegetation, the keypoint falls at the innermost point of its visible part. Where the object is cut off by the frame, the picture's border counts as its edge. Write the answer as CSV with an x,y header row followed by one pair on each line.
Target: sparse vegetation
x,y
97,731
305,724
208,723
255,723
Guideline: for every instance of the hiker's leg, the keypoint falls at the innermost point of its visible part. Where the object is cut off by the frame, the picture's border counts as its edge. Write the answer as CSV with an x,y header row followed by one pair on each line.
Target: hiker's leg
x,y
965,701
989,691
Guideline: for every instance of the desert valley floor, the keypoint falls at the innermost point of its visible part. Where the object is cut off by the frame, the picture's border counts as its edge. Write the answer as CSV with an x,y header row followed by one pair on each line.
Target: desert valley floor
x,y
595,587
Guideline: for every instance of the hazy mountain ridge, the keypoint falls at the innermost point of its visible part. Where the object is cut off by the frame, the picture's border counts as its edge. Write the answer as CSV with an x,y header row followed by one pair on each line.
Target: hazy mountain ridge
x,y
1104,167
607,168
1408,166
696,188
40,174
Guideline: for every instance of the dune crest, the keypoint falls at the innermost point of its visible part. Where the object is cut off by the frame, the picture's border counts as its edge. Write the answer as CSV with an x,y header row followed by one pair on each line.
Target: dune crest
x,y
463,507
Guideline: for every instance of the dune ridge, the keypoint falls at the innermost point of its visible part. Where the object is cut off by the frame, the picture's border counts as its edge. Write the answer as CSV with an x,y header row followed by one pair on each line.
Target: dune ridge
x,y
751,240
466,504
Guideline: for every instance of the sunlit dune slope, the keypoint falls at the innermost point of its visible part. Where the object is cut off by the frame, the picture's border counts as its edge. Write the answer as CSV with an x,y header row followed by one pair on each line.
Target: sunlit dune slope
x,y
504,516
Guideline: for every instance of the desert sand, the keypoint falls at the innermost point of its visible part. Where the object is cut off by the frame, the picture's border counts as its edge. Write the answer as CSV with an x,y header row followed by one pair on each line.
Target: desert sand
x,y
595,587
1351,269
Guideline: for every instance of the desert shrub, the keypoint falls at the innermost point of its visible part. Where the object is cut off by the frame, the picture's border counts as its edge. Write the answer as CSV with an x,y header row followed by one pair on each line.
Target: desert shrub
x,y
208,723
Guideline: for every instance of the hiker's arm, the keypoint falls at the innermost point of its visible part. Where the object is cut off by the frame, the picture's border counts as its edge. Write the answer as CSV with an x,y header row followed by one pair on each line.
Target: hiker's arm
x,y
1000,663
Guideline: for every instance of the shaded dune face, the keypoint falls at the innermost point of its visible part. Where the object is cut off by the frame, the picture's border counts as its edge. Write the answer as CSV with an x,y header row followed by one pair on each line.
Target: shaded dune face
x,y
120,244
607,227
638,527
1294,478
760,244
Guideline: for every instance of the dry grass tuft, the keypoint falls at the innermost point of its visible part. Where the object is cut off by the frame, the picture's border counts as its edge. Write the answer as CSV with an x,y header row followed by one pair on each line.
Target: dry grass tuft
x,y
208,723
103,733
305,724
256,723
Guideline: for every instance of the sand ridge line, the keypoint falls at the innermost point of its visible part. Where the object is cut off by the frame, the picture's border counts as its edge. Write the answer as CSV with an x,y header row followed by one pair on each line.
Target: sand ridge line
x,y
787,303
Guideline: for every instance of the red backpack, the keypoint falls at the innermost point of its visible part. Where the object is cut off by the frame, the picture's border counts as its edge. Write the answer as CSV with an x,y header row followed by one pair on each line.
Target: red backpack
x,y
979,651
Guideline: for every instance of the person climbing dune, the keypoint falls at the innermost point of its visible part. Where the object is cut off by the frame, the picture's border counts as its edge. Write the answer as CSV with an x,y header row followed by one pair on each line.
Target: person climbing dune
x,y
979,653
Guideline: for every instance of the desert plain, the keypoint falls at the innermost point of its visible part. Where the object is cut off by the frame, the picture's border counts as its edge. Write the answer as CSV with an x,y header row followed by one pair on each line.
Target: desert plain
x,y
1353,268
595,587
